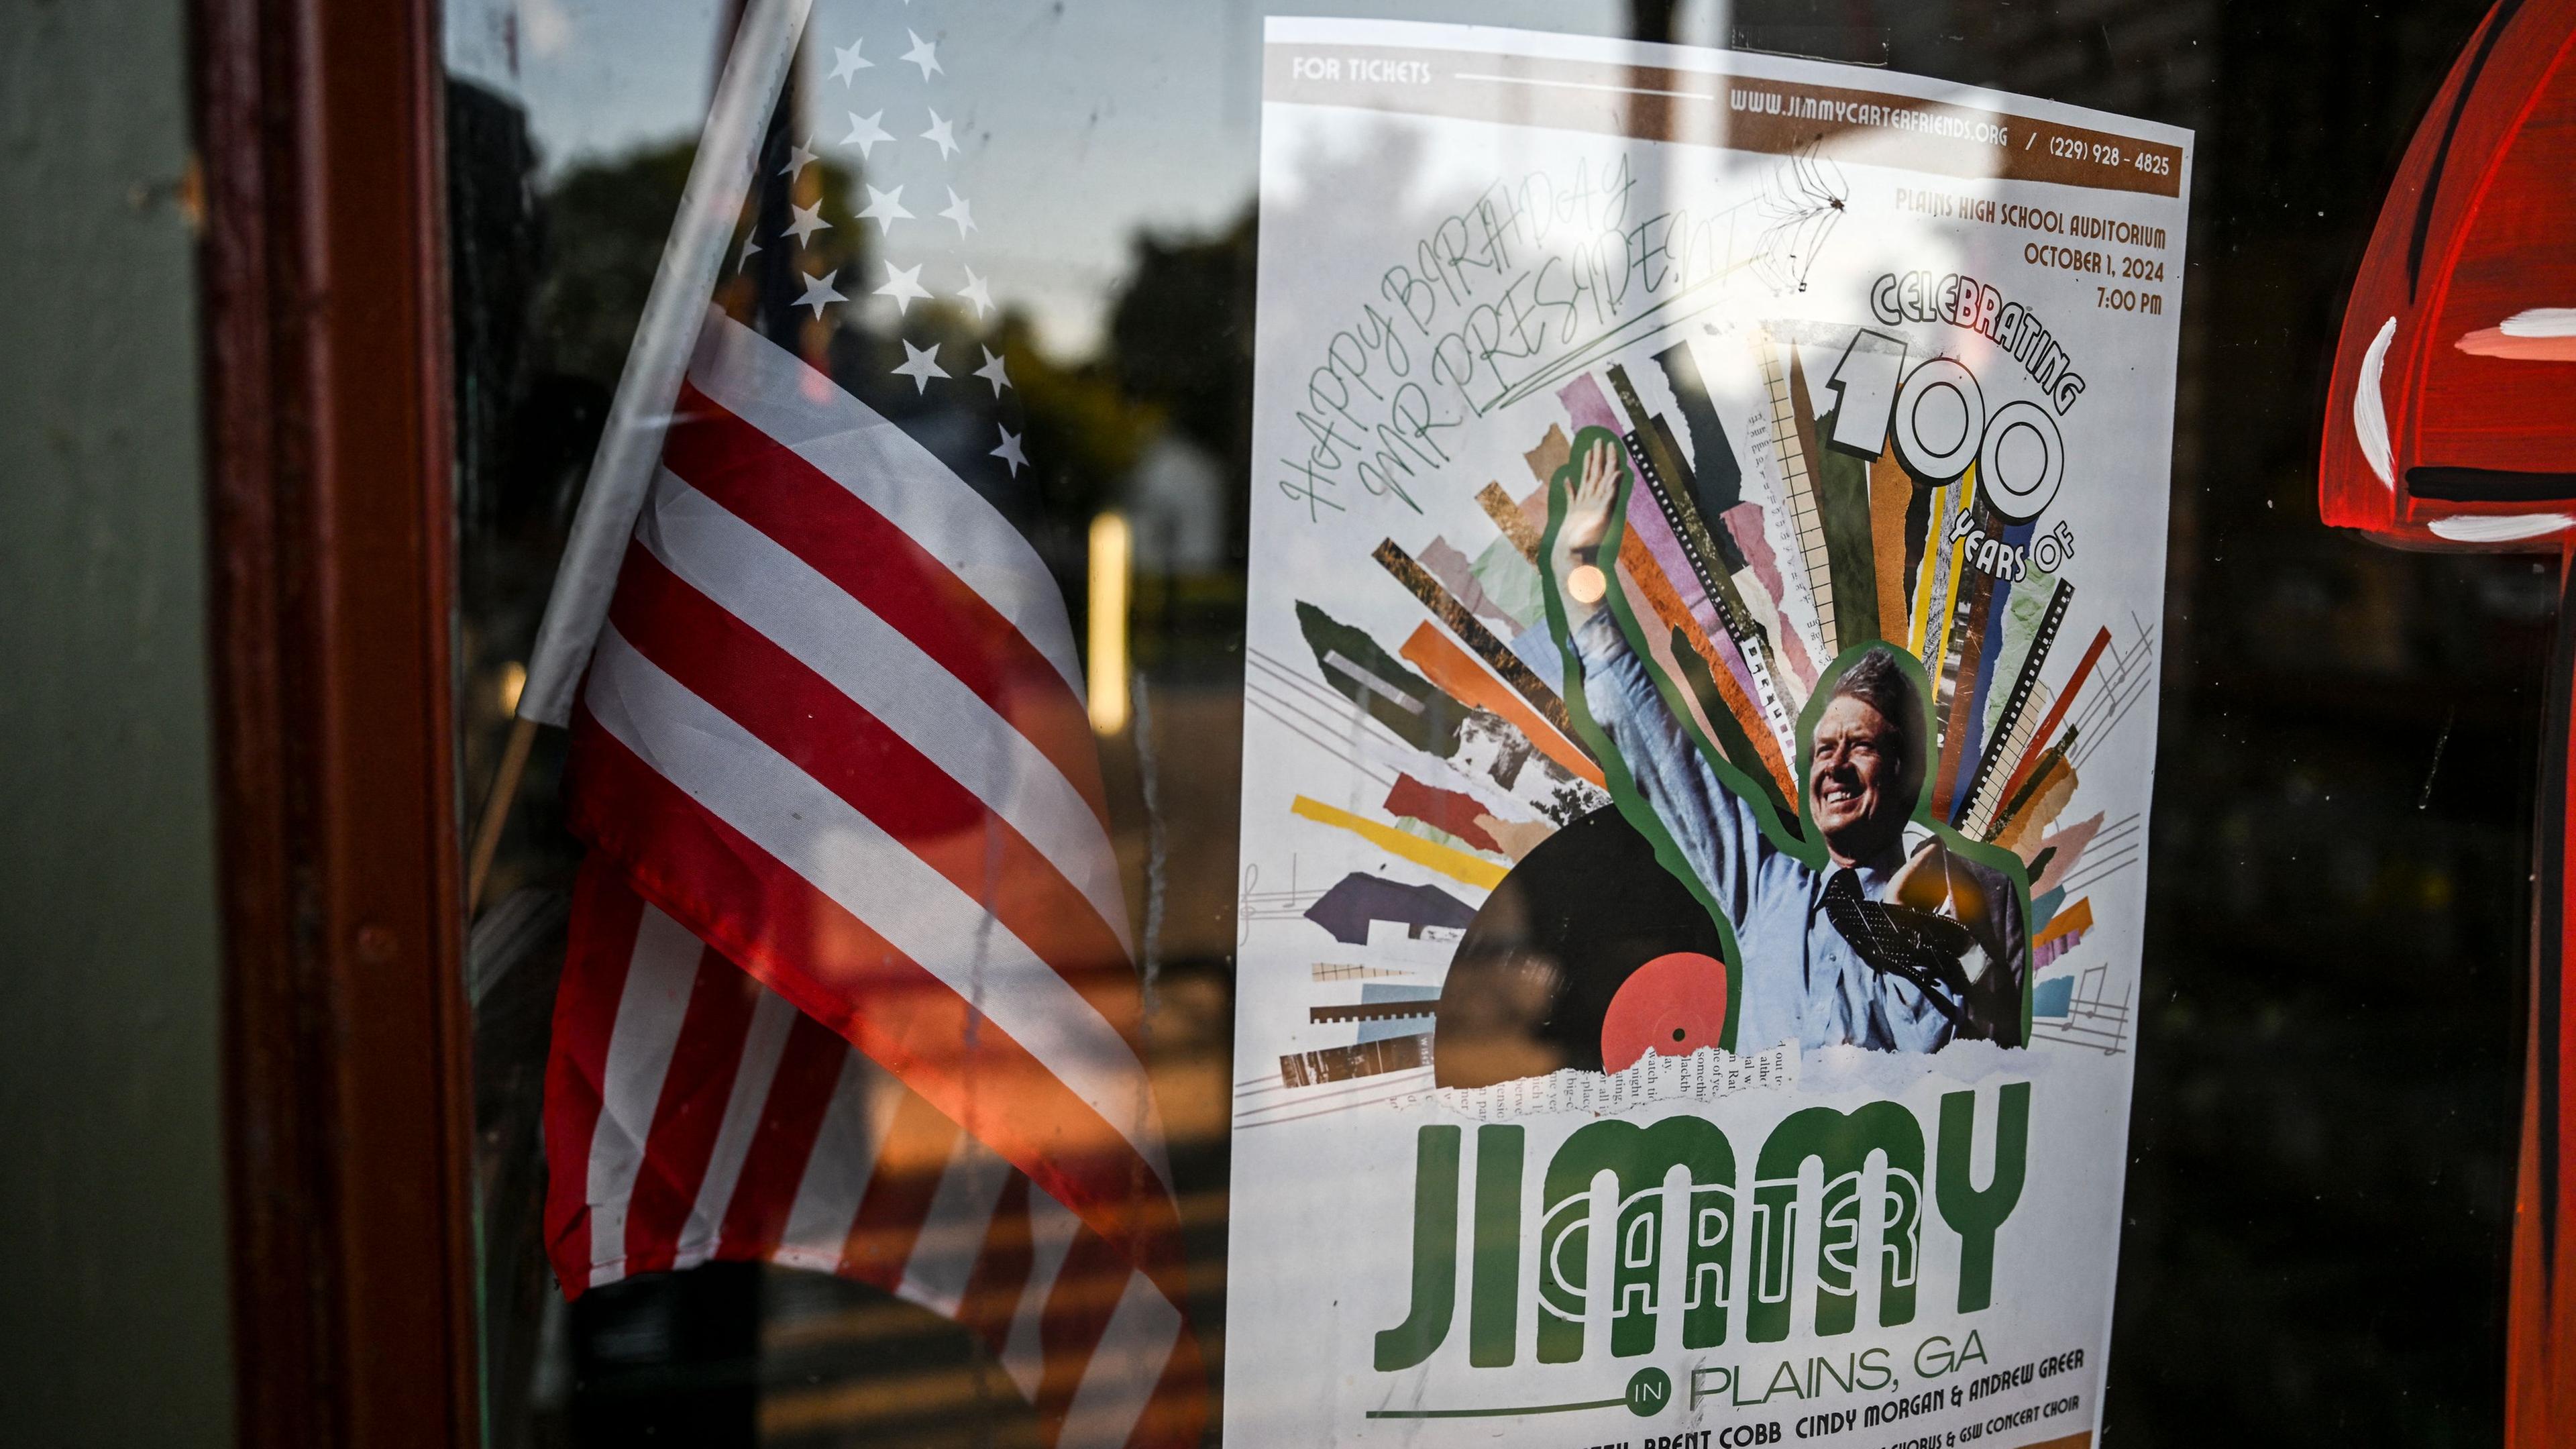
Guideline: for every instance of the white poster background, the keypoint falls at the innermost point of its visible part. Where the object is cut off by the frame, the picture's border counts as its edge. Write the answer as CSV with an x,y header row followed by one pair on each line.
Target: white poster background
x,y
1359,166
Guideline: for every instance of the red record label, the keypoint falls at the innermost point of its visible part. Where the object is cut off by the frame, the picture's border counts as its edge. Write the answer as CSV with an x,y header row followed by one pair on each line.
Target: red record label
x,y
1673,1005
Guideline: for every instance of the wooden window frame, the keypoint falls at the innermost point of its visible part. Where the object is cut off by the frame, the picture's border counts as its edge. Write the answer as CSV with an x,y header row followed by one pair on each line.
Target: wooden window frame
x,y
326,335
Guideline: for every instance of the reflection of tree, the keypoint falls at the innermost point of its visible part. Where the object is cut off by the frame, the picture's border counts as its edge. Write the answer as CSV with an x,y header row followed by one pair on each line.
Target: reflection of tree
x,y
1180,336
1175,359
1651,19
496,238
1179,346
1084,430
605,222
524,431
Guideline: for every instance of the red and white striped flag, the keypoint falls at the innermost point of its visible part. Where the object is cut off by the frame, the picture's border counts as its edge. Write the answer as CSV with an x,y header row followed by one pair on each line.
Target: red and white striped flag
x,y
850,985
834,730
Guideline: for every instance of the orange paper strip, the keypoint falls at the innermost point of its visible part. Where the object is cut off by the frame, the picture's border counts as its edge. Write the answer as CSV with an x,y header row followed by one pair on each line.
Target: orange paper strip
x,y
1453,669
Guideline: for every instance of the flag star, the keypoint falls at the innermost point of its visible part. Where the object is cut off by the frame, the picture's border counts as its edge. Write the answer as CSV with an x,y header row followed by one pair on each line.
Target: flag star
x,y
809,220
885,208
865,133
994,371
975,292
797,161
925,55
921,364
1010,452
960,212
848,63
750,248
904,286
819,293
942,133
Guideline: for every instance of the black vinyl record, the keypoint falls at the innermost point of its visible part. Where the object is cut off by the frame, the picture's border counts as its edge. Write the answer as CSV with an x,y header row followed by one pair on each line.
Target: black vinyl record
x,y
1534,975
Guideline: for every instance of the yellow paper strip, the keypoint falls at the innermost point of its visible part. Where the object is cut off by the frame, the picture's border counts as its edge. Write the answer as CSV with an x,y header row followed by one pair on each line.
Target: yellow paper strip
x,y
1455,864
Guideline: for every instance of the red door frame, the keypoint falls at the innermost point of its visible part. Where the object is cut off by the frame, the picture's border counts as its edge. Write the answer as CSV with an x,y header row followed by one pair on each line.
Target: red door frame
x,y
326,365
2475,222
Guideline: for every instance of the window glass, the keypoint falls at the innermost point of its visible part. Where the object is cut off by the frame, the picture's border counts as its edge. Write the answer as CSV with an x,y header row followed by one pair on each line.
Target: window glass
x,y
1059,199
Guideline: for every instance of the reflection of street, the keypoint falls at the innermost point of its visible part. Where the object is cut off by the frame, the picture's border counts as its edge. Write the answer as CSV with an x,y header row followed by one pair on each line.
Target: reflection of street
x,y
838,1363
730,1350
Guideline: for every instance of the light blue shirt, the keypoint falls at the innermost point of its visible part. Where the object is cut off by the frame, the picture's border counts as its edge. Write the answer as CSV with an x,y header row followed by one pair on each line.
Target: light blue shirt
x,y
1802,981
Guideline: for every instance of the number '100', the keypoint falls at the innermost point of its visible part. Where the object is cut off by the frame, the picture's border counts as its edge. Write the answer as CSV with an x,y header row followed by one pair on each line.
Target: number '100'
x,y
1937,414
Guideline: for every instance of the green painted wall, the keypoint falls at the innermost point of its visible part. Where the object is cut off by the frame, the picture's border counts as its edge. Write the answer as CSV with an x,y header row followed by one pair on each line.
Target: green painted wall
x,y
112,1277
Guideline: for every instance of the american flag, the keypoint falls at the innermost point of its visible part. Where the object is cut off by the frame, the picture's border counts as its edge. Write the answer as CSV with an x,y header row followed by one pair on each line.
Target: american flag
x,y
709,1119
850,984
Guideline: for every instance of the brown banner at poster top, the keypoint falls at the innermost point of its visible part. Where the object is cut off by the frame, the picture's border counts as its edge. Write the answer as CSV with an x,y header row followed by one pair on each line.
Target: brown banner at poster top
x,y
1740,112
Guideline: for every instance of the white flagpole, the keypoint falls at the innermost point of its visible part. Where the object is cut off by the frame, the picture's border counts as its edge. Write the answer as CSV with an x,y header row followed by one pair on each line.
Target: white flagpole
x,y
764,45
673,312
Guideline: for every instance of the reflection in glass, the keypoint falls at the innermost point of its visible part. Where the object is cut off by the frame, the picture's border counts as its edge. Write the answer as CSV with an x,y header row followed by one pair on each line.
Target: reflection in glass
x,y
2340,833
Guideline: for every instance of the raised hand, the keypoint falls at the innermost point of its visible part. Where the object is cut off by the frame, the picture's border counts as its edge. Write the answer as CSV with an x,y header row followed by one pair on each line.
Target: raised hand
x,y
1578,535
1587,513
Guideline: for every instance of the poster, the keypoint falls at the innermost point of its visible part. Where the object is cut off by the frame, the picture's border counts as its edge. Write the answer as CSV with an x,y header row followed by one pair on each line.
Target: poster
x,y
1707,552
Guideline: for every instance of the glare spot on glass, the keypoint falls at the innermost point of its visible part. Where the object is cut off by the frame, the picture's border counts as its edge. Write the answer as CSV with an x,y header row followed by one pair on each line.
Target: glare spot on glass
x,y
1111,551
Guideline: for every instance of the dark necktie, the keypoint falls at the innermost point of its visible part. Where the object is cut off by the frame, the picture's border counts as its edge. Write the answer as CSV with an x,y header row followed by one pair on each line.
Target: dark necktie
x,y
1912,945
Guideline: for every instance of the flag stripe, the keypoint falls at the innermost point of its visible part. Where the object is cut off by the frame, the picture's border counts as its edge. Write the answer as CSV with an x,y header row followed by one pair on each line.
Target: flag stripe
x,y
793,1117
829,847
849,541
706,1055
954,1228
606,916
1073,1323
1123,1370
915,1024
1002,1266
1176,1415
817,1234
874,770
762,582
763,1042
650,1010
1052,1230
919,1142
771,389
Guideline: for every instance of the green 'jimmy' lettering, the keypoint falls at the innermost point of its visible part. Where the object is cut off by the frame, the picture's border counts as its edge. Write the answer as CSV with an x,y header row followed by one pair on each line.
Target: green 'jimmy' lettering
x,y
1494,1290
1435,1254
1842,1141
1975,1215
1638,1157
